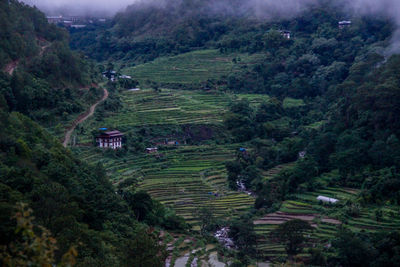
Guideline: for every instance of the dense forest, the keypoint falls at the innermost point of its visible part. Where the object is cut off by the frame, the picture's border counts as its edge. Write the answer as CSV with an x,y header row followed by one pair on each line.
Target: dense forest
x,y
331,117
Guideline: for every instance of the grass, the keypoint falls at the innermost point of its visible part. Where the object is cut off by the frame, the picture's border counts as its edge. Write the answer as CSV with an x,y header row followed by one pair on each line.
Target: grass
x,y
289,102
192,67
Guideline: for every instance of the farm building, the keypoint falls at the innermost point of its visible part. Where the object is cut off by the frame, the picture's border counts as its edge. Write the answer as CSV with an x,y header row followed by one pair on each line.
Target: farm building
x,y
54,19
150,150
171,142
110,139
78,26
343,24
302,154
286,34
327,199
110,74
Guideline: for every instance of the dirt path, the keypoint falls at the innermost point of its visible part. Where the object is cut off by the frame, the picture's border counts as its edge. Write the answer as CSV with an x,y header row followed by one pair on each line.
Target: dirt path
x,y
82,118
10,67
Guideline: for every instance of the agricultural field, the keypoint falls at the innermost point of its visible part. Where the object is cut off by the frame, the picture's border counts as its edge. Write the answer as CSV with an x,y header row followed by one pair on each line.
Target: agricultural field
x,y
325,218
168,107
193,67
185,178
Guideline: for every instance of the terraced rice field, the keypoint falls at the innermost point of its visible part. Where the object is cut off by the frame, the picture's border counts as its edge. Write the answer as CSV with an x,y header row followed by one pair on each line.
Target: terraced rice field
x,y
271,173
324,218
170,107
192,67
185,179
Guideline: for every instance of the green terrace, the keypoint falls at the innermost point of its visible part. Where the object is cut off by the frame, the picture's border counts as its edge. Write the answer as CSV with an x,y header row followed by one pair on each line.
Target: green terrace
x,y
169,107
193,67
325,218
185,178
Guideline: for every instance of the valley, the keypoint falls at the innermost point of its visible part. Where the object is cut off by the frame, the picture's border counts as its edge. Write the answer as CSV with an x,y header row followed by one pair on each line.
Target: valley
x,y
200,133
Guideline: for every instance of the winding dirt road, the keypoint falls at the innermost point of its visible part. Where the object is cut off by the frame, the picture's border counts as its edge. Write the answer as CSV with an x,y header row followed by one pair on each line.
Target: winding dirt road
x,y
82,118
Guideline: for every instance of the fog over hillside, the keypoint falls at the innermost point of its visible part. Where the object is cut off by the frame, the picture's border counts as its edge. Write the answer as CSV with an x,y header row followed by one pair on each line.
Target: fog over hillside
x,y
263,9
80,7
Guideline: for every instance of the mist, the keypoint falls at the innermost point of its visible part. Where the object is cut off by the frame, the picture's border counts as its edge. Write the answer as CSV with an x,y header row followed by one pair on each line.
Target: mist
x,y
262,9
389,9
105,8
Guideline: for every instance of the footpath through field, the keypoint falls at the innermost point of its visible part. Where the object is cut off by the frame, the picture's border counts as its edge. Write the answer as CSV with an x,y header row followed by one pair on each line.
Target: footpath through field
x,y
82,118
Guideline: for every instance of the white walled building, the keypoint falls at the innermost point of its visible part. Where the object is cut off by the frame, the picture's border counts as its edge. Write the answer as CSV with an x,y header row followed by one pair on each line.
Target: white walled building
x,y
327,199
110,139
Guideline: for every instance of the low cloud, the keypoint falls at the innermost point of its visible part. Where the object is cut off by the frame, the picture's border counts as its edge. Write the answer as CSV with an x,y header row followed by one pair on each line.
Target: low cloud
x,y
80,7
267,9
389,9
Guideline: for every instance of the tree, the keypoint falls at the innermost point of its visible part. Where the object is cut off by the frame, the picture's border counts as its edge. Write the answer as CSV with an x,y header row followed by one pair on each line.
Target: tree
x,y
141,204
30,248
207,220
242,233
292,234
352,250
145,250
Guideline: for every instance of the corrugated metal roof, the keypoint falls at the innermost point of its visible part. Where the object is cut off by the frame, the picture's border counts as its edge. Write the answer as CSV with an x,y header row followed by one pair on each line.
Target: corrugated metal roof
x,y
327,199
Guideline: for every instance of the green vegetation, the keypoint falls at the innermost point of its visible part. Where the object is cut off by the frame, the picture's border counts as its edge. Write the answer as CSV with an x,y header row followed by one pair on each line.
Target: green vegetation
x,y
41,77
192,68
251,127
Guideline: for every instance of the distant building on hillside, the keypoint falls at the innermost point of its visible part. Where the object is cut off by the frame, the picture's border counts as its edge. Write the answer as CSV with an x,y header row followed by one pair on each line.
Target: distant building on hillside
x,y
302,154
172,143
286,34
110,74
327,199
67,23
73,18
344,24
150,150
54,19
78,26
110,139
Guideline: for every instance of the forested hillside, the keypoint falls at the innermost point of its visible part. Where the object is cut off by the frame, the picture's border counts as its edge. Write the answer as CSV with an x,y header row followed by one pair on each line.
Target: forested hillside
x,y
40,76
287,147
76,211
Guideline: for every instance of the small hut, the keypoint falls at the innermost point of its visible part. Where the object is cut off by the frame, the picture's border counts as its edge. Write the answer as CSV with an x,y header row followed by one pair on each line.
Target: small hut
x,y
151,150
286,34
327,199
344,24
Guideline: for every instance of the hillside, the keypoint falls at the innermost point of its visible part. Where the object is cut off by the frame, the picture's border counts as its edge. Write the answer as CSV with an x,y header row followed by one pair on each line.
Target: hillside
x,y
241,144
40,76
76,217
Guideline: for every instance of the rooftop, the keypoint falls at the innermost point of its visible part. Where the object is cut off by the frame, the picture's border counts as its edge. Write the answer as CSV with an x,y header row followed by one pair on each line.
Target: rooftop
x,y
112,133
